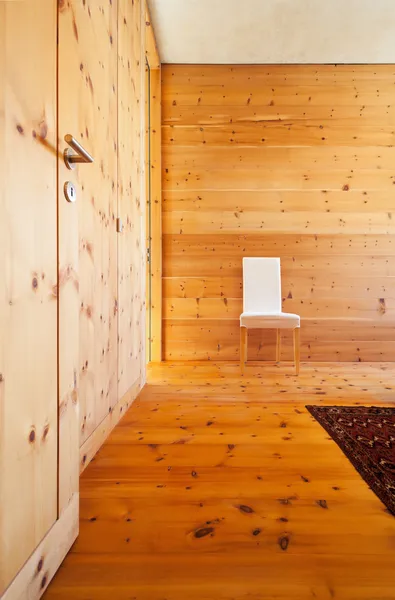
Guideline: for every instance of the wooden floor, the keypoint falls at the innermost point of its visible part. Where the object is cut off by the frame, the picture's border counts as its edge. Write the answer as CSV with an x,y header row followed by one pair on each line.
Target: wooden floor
x,y
212,487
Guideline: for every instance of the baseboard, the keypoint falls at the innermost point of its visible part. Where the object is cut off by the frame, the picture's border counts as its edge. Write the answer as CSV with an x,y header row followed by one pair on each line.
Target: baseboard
x,y
101,433
34,577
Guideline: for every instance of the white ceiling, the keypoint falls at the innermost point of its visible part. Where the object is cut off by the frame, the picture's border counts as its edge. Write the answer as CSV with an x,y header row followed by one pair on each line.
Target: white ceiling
x,y
274,31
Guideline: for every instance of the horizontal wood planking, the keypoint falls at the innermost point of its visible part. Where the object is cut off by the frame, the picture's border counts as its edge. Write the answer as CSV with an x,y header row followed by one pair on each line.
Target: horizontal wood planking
x,y
289,161
304,245
282,134
234,221
219,340
278,179
356,330
270,75
291,95
291,266
323,201
253,157
222,115
225,308
302,288
261,135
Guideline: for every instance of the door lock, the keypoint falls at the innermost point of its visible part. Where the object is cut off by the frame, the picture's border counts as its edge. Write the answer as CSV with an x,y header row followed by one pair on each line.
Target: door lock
x,y
70,191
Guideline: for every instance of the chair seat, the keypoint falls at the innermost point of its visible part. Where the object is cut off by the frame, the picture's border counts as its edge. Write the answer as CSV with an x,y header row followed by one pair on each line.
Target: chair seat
x,y
253,320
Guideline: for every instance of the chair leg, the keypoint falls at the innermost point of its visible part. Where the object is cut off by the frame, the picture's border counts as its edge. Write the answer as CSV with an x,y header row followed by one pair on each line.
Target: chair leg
x,y
297,349
243,348
278,345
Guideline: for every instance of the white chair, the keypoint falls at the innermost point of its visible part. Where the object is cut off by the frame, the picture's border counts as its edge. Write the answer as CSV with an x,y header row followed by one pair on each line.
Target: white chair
x,y
262,305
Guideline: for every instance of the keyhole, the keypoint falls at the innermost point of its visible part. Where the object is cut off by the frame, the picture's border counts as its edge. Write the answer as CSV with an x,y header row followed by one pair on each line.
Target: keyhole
x,y
70,192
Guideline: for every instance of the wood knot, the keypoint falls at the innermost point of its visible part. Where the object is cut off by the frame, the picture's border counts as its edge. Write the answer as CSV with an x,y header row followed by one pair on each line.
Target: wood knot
x,y
40,564
245,509
203,532
45,432
283,542
32,436
75,29
43,129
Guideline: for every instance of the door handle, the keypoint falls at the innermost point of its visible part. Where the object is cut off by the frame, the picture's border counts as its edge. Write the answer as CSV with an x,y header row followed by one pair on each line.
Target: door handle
x,y
81,156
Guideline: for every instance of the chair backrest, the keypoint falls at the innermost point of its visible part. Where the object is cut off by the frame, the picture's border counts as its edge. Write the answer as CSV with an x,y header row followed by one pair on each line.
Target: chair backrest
x,y
262,285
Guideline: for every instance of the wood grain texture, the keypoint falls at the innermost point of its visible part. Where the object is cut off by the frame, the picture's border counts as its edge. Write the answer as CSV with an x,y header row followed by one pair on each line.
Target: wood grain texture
x,y
89,448
28,290
106,72
151,48
35,575
213,481
69,118
93,48
289,161
155,208
131,194
154,195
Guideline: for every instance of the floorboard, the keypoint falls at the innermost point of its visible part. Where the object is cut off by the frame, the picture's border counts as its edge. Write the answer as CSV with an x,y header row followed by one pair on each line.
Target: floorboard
x,y
213,486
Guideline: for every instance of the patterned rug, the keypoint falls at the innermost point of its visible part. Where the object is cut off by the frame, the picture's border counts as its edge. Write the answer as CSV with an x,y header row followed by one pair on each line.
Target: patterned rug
x,y
367,437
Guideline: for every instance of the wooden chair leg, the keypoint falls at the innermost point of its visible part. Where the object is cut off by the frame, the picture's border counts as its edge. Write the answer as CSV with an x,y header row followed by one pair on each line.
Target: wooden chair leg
x,y
297,349
243,347
278,345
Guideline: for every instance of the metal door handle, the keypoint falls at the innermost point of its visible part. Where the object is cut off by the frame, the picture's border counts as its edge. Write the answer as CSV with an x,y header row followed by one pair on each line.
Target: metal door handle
x,y
82,155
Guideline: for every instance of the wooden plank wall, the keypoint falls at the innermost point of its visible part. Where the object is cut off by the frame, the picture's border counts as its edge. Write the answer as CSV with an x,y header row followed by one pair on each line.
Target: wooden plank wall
x,y
289,161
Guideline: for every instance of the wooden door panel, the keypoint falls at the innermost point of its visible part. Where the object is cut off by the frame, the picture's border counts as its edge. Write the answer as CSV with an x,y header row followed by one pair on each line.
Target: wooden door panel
x,y
28,292
88,39
131,244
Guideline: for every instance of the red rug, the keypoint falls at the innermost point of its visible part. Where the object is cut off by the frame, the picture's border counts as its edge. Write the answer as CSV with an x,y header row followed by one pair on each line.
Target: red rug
x,y
367,437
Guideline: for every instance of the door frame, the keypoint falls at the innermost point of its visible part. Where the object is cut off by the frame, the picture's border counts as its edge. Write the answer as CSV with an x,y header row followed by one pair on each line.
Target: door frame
x,y
153,198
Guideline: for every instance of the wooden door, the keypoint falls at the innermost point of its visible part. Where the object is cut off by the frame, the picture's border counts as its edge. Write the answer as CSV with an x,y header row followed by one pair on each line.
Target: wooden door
x,y
131,197
88,111
28,289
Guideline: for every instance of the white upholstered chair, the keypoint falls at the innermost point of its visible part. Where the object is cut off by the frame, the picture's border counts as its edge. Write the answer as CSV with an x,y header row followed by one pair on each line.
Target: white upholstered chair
x,y
262,306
